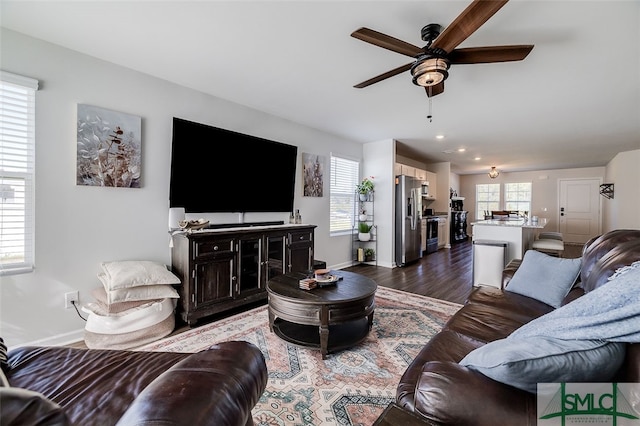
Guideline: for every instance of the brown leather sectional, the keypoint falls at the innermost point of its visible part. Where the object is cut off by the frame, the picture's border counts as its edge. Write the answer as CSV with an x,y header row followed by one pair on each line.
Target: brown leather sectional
x,y
218,386
446,393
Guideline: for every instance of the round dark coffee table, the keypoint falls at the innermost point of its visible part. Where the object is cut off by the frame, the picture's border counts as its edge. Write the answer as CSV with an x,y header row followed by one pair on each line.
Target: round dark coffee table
x,y
328,318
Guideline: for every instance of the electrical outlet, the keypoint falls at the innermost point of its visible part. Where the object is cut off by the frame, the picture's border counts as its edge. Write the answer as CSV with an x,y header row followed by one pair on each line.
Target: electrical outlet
x,y
69,297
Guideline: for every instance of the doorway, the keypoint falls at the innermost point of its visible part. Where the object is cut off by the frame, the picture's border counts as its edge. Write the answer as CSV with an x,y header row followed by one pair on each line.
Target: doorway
x,y
580,206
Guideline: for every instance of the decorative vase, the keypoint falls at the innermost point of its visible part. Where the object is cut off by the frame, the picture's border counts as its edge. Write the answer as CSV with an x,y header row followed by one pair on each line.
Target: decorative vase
x,y
364,197
364,236
362,217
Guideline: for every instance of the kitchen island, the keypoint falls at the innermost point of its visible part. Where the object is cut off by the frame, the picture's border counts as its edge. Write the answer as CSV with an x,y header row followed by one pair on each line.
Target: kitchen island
x,y
518,233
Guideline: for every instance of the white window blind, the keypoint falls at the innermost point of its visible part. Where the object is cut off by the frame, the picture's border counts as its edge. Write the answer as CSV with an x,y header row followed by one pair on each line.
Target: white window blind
x,y
17,172
344,178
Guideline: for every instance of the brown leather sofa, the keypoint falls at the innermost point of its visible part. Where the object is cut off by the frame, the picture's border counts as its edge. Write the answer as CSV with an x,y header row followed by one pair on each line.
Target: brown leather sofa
x,y
218,386
444,392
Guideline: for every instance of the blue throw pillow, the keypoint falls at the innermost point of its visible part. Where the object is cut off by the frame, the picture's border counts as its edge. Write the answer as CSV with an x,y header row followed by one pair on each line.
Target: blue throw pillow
x,y
540,359
545,278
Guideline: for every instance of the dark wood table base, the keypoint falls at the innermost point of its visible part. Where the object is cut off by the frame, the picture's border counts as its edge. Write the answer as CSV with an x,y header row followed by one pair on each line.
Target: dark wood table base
x,y
329,318
332,339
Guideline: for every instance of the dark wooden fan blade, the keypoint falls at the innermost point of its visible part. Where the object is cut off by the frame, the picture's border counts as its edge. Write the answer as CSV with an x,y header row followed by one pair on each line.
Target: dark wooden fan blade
x,y
472,18
435,90
386,42
488,54
384,76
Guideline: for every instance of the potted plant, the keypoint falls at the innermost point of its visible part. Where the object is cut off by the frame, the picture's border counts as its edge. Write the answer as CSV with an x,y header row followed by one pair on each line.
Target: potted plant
x,y
364,230
364,188
369,254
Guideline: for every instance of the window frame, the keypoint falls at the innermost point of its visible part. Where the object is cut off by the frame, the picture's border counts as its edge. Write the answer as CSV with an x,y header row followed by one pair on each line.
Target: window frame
x,y
518,191
480,211
503,195
345,191
17,145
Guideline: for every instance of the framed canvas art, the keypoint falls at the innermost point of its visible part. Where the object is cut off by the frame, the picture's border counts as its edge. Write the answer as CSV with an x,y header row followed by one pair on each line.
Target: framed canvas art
x,y
312,175
108,148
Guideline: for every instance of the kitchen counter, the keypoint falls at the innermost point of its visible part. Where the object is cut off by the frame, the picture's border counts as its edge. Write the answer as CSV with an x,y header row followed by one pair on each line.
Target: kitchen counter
x,y
516,223
518,233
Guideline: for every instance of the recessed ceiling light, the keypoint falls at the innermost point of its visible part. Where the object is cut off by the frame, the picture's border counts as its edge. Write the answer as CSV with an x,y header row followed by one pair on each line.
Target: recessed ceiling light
x,y
478,158
462,149
439,136
448,151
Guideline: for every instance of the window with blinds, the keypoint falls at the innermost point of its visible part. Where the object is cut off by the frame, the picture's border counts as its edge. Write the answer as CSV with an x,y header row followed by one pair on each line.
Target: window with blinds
x,y
487,199
517,196
344,178
17,172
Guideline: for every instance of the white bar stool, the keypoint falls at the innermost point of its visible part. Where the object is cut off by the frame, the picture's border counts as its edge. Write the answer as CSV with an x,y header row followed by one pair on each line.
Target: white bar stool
x,y
550,236
548,245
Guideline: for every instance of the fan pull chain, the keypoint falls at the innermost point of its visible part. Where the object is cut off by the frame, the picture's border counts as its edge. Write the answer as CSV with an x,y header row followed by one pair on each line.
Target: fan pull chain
x,y
430,116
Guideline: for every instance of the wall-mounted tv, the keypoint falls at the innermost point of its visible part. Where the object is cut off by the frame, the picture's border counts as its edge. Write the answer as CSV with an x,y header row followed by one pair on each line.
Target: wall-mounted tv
x,y
214,170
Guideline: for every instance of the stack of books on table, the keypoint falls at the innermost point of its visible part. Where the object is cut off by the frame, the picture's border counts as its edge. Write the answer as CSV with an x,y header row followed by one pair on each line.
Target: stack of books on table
x,y
308,284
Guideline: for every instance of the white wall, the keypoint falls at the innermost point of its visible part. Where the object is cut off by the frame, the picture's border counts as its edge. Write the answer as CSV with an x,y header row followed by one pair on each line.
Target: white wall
x,y
379,163
623,211
544,202
77,227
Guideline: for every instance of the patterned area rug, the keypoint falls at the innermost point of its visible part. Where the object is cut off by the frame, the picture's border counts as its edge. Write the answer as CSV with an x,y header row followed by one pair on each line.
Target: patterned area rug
x,y
351,387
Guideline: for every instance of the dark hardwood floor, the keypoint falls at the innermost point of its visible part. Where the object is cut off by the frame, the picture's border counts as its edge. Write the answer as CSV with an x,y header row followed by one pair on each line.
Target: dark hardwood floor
x,y
445,274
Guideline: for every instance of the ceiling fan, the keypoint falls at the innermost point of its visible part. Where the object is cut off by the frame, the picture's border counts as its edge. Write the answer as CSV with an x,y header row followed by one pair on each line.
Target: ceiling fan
x,y
432,61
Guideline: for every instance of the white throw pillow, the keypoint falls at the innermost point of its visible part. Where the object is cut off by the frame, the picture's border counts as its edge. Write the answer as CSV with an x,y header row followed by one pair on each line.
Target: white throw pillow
x,y
545,278
542,359
145,292
134,273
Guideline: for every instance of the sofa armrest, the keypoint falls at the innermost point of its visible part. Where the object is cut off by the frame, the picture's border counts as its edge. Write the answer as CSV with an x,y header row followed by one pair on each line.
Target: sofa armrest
x,y
448,393
24,407
218,386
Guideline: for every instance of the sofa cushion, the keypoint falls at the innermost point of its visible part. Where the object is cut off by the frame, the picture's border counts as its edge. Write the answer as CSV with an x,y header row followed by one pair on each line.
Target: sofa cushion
x,y
522,363
545,278
450,394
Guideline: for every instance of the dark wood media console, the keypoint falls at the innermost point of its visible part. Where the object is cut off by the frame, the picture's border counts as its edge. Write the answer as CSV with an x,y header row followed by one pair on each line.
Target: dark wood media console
x,y
225,268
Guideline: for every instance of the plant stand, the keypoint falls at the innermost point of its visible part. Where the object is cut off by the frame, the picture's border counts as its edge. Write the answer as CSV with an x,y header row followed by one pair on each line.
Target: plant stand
x,y
358,246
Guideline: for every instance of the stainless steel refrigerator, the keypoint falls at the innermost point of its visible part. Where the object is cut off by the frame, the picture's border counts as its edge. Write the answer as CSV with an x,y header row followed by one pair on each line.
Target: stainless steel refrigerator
x,y
408,219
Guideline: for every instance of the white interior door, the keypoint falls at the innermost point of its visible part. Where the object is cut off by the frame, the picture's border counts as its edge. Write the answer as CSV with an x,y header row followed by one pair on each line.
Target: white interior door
x,y
579,214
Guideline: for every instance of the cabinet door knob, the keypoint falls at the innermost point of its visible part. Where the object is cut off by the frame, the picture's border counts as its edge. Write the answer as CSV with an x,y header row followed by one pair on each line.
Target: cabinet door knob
x,y
215,247
301,237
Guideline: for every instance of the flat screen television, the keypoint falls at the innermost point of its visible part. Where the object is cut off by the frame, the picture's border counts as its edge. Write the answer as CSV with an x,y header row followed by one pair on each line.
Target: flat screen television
x,y
214,170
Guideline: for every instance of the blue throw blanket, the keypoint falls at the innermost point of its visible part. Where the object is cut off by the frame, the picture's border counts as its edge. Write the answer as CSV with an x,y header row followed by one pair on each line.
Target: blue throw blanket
x,y
610,313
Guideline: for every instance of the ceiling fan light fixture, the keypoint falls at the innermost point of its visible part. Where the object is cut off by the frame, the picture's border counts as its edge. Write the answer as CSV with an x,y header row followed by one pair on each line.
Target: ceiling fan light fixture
x,y
493,173
429,72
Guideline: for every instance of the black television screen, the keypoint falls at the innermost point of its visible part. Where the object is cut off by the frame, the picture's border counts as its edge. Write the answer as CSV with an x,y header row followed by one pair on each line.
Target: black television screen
x,y
215,170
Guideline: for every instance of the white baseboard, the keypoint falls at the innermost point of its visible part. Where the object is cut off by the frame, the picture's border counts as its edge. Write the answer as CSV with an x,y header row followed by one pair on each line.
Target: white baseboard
x,y
58,340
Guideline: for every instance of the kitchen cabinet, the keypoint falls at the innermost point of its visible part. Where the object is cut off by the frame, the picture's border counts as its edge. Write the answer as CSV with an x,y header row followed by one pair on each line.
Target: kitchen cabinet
x,y
224,269
421,175
408,170
299,251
